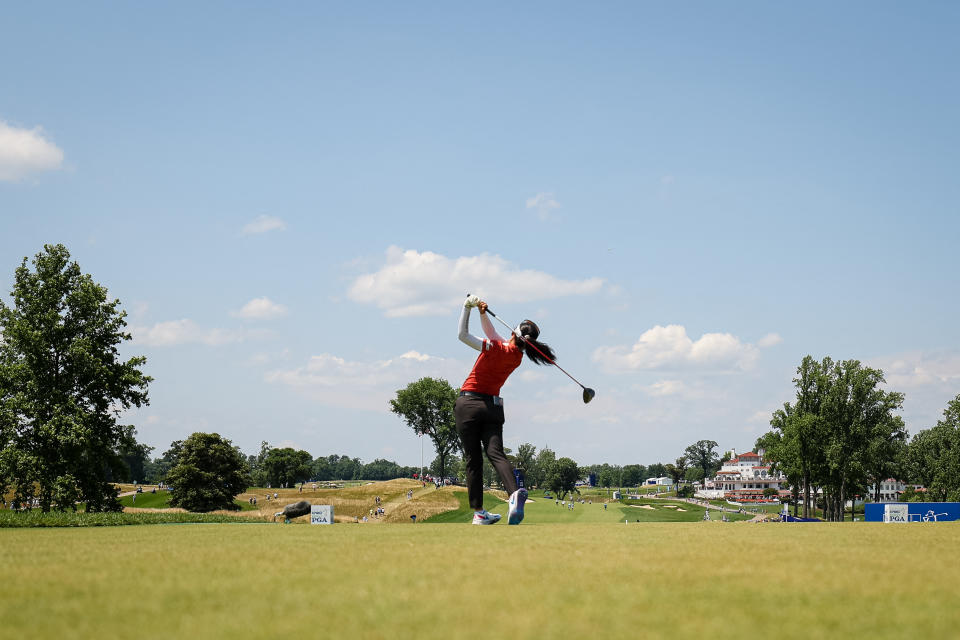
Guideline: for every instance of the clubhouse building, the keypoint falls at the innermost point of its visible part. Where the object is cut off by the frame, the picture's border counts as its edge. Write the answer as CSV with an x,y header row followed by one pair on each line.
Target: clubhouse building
x,y
743,479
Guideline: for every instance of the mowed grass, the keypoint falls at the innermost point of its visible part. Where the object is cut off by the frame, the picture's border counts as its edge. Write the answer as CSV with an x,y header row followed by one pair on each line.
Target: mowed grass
x,y
658,580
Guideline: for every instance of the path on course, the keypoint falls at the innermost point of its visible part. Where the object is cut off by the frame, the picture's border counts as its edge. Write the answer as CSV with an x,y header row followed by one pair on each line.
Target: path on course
x,y
402,498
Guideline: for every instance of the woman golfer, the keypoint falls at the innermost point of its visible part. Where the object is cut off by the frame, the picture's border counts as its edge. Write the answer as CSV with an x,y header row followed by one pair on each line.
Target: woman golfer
x,y
479,409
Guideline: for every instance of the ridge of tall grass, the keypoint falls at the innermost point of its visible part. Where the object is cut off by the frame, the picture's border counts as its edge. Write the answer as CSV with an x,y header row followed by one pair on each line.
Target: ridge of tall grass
x,y
35,518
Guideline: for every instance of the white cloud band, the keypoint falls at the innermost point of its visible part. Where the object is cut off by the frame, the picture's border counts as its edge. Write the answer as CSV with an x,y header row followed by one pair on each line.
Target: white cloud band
x,y
412,283
670,348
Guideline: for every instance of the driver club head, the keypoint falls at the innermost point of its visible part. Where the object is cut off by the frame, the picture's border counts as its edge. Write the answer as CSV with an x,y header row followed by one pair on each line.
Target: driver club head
x,y
588,395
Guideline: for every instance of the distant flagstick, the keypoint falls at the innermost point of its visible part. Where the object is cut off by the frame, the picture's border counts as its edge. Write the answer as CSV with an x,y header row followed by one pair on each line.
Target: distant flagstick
x,y
588,393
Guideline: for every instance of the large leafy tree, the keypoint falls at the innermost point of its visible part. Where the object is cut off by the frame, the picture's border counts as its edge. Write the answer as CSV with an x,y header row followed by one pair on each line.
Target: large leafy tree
x,y
563,477
657,470
840,433
702,455
287,466
542,466
634,475
63,387
427,407
209,472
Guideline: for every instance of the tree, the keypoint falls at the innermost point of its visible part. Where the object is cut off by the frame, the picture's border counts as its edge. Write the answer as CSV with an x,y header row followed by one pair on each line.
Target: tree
x,y
381,469
694,475
525,457
208,474
287,466
657,470
258,472
678,470
606,475
840,431
451,463
885,452
563,477
158,470
63,386
541,468
701,454
633,475
934,455
427,407
136,456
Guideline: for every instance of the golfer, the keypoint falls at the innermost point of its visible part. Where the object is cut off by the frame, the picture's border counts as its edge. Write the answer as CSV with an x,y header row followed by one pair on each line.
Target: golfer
x,y
479,409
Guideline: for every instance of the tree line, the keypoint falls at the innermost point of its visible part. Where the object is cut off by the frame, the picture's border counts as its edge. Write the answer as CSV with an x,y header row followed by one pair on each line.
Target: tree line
x,y
841,435
276,466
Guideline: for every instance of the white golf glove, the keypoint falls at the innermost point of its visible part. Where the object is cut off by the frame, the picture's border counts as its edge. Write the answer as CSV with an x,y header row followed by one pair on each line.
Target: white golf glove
x,y
471,302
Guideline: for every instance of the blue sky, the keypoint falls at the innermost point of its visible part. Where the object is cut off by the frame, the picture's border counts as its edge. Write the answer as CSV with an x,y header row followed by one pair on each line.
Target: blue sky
x,y
291,203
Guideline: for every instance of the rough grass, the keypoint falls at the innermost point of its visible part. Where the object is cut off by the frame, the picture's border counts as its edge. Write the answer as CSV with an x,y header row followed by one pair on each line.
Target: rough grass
x,y
672,581
348,503
35,518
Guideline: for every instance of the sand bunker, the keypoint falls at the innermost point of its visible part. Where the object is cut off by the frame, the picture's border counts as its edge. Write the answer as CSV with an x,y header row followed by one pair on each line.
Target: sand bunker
x,y
679,509
669,506
642,506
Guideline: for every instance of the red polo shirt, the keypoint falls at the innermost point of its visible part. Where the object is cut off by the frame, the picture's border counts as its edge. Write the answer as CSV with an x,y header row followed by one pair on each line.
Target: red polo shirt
x,y
496,362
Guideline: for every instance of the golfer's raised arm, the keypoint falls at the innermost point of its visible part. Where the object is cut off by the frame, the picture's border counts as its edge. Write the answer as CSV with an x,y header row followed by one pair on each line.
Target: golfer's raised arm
x,y
465,336
488,329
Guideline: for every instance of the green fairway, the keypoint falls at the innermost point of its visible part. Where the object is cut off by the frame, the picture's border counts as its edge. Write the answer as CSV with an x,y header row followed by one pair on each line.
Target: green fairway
x,y
161,500
579,580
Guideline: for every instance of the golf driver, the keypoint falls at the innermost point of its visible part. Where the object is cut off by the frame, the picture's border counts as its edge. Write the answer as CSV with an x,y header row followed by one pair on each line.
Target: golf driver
x,y
588,393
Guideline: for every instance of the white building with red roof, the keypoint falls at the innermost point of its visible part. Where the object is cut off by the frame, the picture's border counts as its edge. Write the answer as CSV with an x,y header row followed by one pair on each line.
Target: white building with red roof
x,y
743,478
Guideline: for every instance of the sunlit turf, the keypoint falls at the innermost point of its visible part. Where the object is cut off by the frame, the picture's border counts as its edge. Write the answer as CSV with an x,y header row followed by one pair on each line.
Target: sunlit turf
x,y
161,500
669,580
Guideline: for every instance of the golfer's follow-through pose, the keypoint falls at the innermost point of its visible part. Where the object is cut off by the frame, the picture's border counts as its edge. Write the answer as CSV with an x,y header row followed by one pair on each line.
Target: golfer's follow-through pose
x,y
479,409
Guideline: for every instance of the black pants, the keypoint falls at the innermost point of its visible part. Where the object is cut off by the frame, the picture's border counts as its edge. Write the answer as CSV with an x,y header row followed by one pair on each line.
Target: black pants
x,y
480,426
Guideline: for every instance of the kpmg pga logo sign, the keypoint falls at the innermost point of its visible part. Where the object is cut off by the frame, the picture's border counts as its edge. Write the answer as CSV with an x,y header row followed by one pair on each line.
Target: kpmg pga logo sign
x,y
896,513
321,514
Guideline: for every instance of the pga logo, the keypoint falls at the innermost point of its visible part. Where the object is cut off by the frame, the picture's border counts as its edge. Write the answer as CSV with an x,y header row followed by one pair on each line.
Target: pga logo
x,y
321,514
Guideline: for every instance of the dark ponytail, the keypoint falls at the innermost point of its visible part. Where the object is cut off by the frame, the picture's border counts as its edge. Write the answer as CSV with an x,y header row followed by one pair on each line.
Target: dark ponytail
x,y
538,352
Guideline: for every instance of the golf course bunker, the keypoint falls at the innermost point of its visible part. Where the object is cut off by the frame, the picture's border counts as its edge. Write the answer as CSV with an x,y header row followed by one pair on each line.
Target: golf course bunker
x,y
642,506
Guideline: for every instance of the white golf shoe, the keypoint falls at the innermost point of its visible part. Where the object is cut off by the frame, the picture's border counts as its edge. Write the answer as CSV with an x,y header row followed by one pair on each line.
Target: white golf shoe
x,y
485,517
517,498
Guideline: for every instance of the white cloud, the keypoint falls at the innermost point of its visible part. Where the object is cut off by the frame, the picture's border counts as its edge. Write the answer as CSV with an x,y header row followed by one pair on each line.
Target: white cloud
x,y
337,381
665,388
544,203
261,309
670,348
769,340
185,331
263,224
414,283
26,151
920,369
